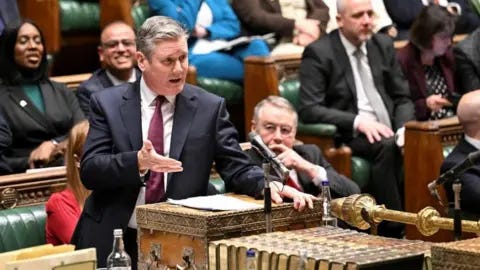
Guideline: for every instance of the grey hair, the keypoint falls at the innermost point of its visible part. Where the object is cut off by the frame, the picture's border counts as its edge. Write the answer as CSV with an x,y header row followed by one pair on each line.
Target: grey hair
x,y
277,102
156,29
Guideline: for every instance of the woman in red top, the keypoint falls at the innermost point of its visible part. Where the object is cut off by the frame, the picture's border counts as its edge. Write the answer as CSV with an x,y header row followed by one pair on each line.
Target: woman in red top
x,y
64,208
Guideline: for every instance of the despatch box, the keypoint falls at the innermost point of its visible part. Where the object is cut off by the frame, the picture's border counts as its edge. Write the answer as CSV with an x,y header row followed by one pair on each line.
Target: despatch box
x,y
459,255
319,248
171,235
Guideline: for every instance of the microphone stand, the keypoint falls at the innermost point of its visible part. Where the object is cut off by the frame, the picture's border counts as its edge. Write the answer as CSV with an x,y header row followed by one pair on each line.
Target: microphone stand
x,y
457,211
267,197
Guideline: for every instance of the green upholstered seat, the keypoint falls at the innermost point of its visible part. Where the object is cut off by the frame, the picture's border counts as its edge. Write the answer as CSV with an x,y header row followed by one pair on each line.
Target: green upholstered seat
x,y
79,16
139,14
22,227
360,167
232,92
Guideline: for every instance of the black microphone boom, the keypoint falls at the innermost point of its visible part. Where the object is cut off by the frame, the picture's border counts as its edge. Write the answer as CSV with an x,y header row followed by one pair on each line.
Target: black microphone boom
x,y
456,171
270,156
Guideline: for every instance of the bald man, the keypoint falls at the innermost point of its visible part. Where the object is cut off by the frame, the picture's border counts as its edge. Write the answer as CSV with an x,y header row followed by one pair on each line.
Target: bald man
x,y
468,113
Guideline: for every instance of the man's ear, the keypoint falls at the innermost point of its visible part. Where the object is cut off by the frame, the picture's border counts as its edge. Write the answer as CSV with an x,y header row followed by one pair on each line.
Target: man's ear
x,y
140,60
339,21
253,126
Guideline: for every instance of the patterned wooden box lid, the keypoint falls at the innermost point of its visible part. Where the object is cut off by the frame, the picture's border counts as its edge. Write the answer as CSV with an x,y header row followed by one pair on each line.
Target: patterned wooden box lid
x,y
463,254
171,218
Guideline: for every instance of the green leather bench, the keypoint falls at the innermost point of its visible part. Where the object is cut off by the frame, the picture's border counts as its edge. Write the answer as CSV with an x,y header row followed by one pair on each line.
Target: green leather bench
x,y
79,16
22,227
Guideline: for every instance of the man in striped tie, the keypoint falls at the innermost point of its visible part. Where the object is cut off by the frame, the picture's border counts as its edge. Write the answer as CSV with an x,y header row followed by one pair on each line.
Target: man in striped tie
x,y
275,120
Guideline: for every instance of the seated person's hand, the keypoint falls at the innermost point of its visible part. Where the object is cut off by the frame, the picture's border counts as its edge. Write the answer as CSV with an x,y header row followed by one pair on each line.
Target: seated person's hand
x,y
309,27
292,160
43,154
148,159
373,130
436,102
303,39
300,199
392,31
200,31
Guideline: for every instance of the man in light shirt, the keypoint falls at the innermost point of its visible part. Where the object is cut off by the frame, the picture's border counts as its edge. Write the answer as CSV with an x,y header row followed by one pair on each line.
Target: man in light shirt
x,y
351,78
117,56
156,139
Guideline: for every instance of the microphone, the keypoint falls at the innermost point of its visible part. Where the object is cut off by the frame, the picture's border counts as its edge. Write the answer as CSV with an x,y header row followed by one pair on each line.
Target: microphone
x,y
454,172
270,156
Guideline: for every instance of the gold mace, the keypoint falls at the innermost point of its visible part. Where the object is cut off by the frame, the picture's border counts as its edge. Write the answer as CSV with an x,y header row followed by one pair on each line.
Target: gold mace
x,y
358,209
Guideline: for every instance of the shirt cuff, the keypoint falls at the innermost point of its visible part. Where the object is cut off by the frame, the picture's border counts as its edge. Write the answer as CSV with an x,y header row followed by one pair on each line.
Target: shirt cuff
x,y
321,175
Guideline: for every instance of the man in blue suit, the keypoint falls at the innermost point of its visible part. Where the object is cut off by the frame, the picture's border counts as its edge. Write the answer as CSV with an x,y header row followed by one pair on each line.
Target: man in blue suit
x,y
119,158
116,52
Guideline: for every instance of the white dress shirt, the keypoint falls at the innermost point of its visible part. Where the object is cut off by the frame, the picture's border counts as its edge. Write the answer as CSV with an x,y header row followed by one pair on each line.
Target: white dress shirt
x,y
147,106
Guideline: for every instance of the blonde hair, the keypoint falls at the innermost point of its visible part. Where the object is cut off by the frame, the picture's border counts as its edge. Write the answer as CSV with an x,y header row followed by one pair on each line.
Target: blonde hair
x,y
76,140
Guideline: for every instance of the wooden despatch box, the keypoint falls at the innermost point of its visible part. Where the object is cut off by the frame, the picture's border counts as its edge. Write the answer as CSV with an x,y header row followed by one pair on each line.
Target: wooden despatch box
x,y
323,248
168,234
459,255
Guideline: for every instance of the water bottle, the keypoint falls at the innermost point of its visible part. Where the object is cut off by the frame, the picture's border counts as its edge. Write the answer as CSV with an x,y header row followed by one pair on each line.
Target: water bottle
x,y
302,259
327,218
118,258
251,260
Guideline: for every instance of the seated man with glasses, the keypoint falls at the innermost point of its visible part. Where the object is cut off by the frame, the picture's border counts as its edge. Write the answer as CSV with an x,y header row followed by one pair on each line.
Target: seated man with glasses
x,y
275,120
117,57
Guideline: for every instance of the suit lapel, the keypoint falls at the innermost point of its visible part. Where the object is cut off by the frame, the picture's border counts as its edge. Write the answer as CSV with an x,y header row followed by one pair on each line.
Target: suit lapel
x,y
131,115
185,109
23,102
343,62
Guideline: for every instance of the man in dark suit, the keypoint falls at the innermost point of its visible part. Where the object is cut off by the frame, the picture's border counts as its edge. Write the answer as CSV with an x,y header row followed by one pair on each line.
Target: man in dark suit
x,y
117,55
275,120
469,116
351,78
127,163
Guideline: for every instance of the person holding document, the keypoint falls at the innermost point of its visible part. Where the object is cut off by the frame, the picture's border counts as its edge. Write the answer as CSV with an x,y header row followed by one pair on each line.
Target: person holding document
x,y
158,138
209,22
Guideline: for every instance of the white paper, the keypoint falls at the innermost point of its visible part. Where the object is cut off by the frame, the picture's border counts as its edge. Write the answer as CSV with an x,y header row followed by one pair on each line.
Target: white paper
x,y
216,203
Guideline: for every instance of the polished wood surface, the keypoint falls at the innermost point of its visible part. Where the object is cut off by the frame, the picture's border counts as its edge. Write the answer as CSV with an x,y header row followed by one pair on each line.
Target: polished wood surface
x,y
423,156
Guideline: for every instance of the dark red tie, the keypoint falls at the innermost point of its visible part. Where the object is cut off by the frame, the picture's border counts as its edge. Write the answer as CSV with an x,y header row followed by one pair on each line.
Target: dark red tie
x,y
155,186
292,183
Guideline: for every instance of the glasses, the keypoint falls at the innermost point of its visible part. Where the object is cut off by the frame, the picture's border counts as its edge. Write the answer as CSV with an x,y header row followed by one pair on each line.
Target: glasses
x,y
285,130
115,43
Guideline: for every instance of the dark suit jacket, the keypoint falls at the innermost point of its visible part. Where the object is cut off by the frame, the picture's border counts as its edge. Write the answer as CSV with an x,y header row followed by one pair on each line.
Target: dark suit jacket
x,y
97,82
29,126
409,58
5,141
201,134
265,16
327,91
340,185
470,179
467,59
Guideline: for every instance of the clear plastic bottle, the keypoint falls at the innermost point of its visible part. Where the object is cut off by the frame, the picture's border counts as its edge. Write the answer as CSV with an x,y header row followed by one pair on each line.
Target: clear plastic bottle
x,y
302,259
327,218
251,260
118,259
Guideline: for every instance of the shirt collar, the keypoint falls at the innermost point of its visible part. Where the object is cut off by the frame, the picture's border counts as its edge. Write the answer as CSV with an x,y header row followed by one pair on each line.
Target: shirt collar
x,y
349,47
148,96
116,81
473,141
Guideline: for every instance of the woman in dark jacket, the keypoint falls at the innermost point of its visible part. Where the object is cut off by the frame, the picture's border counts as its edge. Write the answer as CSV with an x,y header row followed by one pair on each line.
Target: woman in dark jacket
x,y
428,64
38,111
